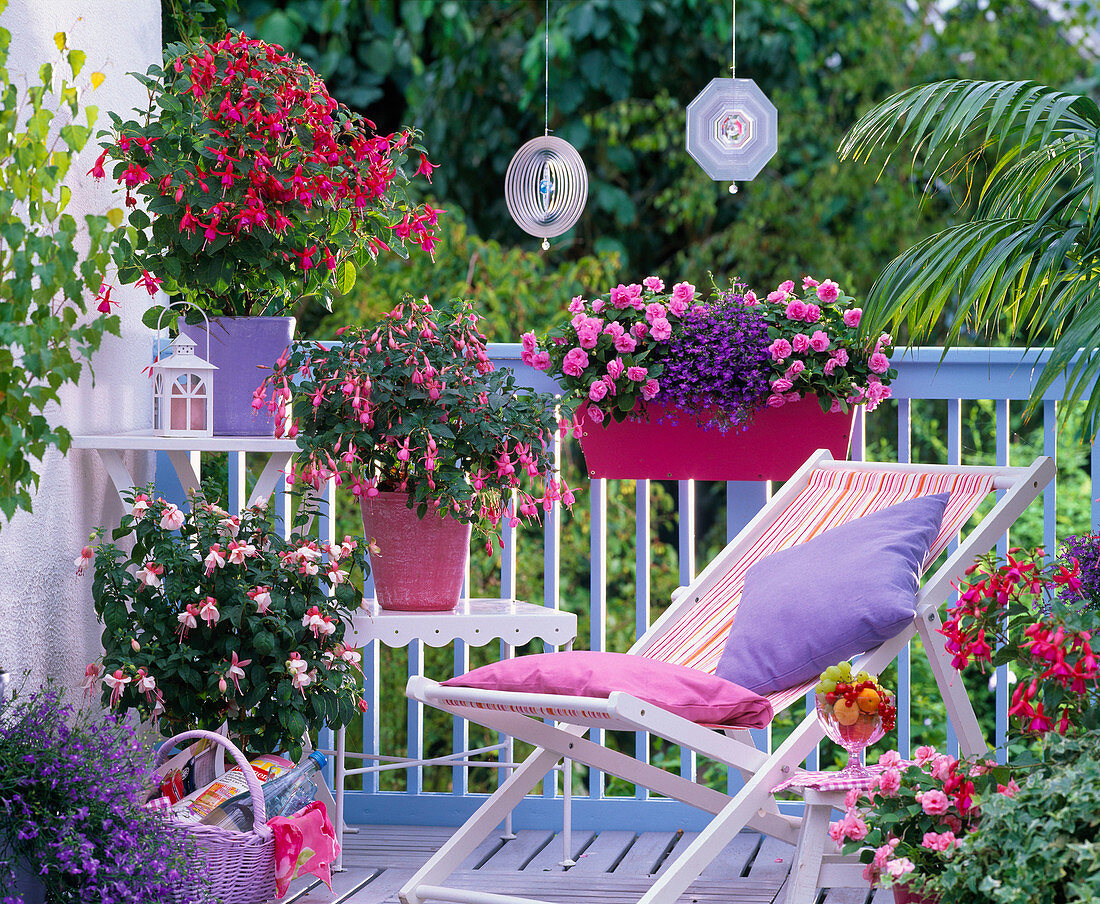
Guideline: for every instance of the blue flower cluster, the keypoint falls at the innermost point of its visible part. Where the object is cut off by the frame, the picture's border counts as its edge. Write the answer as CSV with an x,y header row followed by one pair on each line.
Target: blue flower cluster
x,y
718,366
72,788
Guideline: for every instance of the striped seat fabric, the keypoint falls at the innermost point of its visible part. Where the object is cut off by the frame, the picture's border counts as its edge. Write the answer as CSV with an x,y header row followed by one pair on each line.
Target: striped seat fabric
x,y
833,496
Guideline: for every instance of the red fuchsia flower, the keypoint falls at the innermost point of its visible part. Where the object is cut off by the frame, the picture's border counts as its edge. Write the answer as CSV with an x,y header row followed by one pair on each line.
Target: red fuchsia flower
x,y
149,575
425,168
149,282
261,596
84,560
96,172
214,559
117,683
187,620
103,297
209,611
91,676
235,671
171,518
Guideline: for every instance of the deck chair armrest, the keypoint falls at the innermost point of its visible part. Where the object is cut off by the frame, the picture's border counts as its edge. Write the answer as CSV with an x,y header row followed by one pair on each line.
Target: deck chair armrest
x,y
620,710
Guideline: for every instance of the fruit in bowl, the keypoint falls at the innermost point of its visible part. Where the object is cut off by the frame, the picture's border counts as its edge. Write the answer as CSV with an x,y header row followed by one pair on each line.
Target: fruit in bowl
x,y
854,709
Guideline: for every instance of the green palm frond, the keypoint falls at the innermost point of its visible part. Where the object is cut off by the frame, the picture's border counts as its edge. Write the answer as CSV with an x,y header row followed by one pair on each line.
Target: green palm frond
x,y
1029,260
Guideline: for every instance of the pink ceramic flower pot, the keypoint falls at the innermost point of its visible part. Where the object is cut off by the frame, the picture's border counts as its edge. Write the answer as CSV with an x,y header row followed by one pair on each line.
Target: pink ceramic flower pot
x,y
903,894
670,445
420,563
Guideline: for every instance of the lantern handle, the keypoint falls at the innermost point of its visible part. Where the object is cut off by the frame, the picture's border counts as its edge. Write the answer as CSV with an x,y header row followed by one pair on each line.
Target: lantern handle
x,y
190,304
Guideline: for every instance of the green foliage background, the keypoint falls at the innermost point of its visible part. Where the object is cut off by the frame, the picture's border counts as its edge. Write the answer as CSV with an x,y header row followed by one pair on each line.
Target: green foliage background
x,y
470,75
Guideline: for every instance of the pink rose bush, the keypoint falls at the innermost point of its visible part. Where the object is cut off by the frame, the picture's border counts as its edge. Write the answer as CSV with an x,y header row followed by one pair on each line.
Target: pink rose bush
x,y
912,822
722,358
412,404
210,617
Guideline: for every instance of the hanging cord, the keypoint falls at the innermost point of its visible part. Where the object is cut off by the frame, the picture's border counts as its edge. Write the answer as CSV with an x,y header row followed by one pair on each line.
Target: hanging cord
x,y
546,77
733,42
733,64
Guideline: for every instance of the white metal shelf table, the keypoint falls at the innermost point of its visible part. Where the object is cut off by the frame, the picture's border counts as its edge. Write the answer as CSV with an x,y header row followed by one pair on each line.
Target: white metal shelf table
x,y
475,621
183,452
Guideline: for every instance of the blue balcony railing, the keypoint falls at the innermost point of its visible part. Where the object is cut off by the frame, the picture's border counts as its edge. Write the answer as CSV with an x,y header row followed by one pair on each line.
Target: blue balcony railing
x,y
962,408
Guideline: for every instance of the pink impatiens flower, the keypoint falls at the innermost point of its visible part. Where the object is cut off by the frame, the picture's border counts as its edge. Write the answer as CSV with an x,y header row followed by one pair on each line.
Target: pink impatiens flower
x,y
637,374
878,363
575,361
781,349
819,341
828,291
650,389
661,329
934,802
683,291
852,317
800,342
653,283
796,310
625,344
597,391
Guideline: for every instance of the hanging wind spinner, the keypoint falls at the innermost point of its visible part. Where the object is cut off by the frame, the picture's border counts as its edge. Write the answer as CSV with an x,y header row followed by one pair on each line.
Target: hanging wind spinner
x,y
546,185
732,127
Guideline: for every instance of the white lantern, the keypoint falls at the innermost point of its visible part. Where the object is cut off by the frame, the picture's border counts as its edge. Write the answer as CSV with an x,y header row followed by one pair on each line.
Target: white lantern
x,y
182,391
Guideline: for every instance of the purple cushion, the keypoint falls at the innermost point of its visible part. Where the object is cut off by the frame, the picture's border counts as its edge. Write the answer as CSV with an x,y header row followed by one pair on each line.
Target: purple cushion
x,y
826,600
688,692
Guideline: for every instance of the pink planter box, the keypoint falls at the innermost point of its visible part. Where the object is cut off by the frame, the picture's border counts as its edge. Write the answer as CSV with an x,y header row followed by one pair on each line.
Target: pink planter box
x,y
772,448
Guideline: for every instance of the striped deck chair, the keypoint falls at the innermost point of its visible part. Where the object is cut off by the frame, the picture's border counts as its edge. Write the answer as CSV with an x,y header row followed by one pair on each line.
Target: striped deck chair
x,y
821,495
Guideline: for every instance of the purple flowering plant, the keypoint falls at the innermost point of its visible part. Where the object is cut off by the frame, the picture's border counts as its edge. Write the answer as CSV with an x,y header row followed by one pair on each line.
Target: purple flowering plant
x,y
722,359
72,789
718,363
1085,548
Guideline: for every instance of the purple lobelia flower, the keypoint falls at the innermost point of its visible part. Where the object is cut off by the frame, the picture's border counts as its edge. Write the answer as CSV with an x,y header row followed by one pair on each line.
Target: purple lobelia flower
x,y
1085,548
718,365
72,789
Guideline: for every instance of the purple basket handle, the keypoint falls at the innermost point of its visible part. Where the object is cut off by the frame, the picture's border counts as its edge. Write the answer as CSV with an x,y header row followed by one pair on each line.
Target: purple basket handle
x,y
259,811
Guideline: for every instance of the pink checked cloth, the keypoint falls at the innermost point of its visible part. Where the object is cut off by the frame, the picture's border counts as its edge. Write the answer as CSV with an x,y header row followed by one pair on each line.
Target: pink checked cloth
x,y
834,781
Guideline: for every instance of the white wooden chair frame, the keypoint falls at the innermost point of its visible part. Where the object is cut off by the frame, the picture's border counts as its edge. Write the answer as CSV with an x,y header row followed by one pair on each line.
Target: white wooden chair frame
x,y
752,806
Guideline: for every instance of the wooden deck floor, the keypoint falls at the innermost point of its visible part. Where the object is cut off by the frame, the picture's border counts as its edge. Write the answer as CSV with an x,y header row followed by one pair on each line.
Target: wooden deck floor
x,y
612,868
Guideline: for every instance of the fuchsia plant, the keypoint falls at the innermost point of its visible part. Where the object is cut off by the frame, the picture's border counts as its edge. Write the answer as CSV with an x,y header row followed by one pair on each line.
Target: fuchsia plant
x,y
1032,616
723,359
263,190
412,404
213,617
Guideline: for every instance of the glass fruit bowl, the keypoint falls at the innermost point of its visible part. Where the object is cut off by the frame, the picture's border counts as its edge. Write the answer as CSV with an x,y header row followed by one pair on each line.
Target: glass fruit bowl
x,y
854,724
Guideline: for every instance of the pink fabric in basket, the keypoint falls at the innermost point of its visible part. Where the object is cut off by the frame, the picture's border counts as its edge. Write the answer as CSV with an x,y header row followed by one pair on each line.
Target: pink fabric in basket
x,y
304,843
687,692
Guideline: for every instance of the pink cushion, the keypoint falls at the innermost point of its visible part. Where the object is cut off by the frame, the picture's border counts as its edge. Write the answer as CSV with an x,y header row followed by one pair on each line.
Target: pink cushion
x,y
695,695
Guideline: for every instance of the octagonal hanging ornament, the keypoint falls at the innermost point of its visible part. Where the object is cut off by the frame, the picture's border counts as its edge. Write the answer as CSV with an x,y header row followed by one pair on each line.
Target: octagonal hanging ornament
x,y
732,130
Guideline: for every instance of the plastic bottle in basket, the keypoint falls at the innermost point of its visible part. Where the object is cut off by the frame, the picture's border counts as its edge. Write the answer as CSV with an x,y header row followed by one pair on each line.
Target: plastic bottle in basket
x,y
196,806
236,813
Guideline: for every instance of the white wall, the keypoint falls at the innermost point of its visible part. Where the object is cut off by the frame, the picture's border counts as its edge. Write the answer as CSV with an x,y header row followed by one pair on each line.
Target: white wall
x,y
46,619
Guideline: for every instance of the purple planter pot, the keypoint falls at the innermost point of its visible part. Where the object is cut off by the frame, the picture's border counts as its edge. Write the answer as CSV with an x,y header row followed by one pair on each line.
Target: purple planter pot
x,y
244,350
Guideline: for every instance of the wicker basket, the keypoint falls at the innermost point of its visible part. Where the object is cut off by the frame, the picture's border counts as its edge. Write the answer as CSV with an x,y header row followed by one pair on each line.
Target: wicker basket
x,y
240,865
